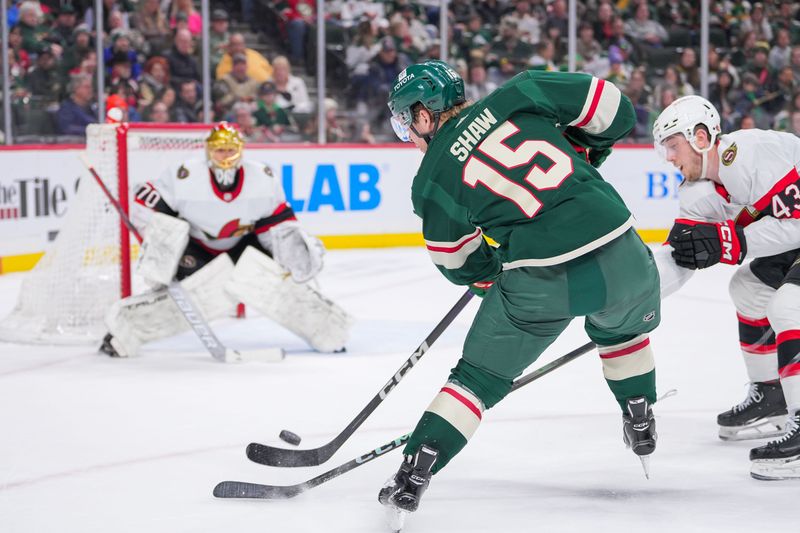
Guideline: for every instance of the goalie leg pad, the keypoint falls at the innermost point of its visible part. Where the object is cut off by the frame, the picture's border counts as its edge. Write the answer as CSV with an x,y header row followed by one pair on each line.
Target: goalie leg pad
x,y
140,318
262,284
154,315
207,288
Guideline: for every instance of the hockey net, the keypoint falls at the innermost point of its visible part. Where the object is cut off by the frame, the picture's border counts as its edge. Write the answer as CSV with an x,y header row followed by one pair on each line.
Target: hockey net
x,y
88,266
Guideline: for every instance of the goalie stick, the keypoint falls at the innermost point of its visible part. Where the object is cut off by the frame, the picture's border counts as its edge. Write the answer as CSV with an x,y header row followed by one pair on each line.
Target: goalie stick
x,y
182,299
241,489
272,456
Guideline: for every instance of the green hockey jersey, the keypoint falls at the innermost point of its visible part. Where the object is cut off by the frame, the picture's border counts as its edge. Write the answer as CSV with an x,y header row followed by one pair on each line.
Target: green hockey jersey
x,y
507,167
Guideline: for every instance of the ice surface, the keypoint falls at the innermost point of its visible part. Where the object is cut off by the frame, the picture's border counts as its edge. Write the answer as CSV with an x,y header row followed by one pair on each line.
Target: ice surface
x,y
91,444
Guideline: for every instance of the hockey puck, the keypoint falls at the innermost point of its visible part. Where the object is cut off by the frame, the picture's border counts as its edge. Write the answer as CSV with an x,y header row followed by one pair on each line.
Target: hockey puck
x,y
291,438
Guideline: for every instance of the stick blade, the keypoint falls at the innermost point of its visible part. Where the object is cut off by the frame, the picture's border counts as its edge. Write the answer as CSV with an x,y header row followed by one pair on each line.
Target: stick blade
x,y
286,458
263,355
244,490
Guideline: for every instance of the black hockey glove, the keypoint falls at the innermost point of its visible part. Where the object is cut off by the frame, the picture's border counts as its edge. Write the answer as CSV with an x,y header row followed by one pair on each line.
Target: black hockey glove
x,y
702,244
584,145
598,155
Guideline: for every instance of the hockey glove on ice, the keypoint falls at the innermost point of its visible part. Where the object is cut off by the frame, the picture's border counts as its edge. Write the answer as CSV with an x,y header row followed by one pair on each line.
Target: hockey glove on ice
x,y
480,288
702,244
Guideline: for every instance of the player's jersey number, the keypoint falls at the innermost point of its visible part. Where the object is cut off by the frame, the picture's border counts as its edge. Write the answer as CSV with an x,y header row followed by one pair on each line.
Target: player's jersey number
x,y
495,147
790,196
148,196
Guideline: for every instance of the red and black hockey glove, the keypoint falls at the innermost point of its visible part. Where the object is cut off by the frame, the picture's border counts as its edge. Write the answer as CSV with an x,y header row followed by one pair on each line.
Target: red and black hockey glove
x,y
702,244
480,288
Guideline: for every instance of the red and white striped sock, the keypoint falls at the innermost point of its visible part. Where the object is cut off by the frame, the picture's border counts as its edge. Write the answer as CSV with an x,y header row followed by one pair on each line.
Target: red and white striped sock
x,y
459,407
758,348
627,359
789,358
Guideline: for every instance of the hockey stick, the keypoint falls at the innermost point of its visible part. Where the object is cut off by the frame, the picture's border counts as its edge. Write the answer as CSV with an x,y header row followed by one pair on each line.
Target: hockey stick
x,y
241,489
272,456
181,298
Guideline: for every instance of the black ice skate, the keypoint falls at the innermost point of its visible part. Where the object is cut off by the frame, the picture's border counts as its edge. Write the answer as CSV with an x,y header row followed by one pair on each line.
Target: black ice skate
x,y
107,348
401,494
639,430
762,414
779,459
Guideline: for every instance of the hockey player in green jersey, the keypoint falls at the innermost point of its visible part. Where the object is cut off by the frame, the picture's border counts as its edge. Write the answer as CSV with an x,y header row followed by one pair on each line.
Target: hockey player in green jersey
x,y
519,167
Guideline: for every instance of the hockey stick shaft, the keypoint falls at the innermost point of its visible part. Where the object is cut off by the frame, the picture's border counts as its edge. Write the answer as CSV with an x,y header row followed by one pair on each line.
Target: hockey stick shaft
x,y
240,489
122,214
552,365
273,456
179,295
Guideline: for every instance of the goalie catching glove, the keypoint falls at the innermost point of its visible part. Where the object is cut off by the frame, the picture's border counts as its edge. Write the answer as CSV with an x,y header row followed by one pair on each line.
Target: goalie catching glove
x,y
296,251
703,244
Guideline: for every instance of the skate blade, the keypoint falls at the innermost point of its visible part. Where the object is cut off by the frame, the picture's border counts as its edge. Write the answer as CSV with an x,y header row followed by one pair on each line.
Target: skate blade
x,y
776,470
395,518
774,426
645,459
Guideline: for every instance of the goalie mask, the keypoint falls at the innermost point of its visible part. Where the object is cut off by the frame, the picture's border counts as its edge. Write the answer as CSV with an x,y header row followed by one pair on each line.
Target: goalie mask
x,y
224,151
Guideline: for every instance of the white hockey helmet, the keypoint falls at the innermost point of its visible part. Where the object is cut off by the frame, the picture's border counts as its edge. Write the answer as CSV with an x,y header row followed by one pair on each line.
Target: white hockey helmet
x,y
683,116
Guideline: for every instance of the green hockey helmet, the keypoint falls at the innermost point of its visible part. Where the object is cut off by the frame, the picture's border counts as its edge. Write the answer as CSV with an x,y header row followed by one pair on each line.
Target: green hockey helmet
x,y
434,84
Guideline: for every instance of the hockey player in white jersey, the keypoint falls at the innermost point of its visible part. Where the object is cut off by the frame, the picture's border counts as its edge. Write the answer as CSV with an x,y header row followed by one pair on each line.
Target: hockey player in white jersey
x,y
221,225
741,199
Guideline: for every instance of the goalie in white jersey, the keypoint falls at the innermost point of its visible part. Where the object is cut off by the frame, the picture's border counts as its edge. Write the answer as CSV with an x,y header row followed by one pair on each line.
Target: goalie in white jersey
x,y
741,199
200,218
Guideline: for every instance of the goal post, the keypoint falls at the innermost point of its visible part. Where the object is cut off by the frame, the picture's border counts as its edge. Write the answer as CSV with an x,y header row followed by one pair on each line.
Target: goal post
x,y
88,266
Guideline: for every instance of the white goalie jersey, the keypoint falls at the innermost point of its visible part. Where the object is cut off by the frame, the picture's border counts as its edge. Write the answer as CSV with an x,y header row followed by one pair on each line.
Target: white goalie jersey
x,y
218,218
760,191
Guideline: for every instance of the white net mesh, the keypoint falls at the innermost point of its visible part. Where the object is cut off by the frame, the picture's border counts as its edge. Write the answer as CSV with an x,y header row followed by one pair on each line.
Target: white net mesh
x,y
64,298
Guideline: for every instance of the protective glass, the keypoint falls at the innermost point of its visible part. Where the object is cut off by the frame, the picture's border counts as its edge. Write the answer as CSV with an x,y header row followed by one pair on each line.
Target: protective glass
x,y
667,149
401,130
401,124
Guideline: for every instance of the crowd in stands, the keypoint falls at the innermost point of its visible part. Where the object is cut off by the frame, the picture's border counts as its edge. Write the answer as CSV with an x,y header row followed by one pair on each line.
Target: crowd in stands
x,y
151,54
